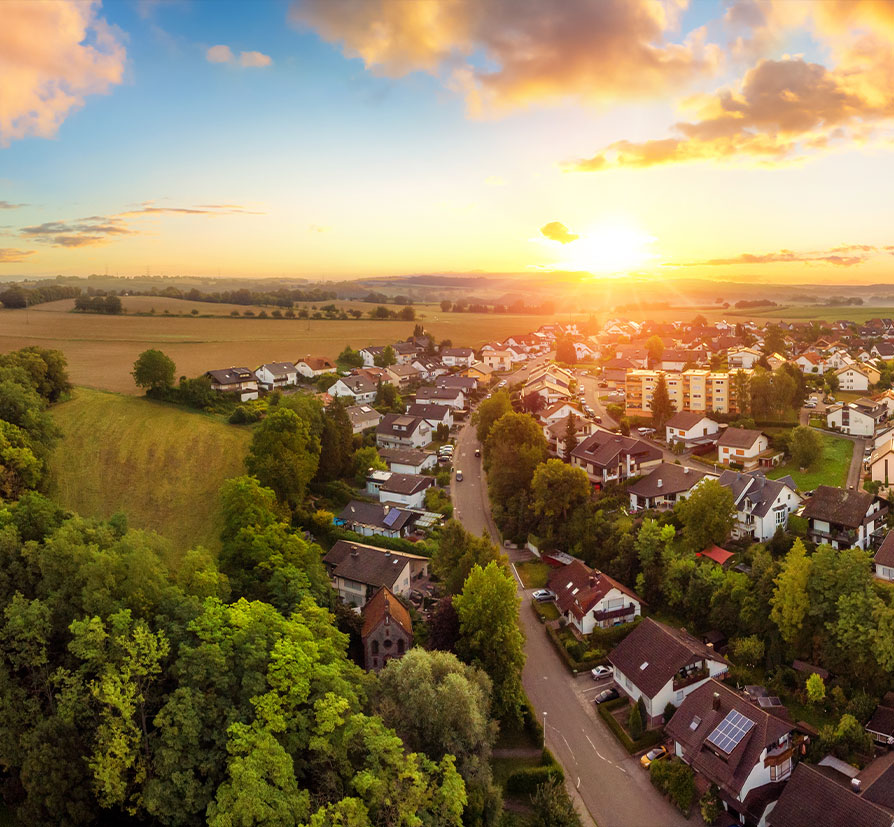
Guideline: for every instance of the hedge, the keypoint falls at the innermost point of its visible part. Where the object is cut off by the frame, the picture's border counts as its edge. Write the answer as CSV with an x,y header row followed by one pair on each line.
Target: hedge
x,y
570,662
676,780
531,722
527,781
650,736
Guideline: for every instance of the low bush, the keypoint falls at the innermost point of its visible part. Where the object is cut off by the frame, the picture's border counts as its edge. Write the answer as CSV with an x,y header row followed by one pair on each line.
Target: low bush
x,y
649,738
676,780
527,780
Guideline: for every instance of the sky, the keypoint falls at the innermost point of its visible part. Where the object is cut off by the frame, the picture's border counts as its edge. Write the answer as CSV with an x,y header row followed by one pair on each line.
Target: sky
x,y
749,139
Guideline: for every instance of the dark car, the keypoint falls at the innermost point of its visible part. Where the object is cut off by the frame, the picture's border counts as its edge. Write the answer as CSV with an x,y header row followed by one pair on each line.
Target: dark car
x,y
477,452
607,695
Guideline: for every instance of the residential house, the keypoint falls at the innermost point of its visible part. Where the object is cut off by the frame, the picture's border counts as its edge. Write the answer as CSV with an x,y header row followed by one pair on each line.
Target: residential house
x,y
887,399
664,486
387,630
357,570
662,665
405,489
370,519
608,457
762,505
483,374
695,389
845,518
557,434
881,724
813,798
451,397
583,352
883,562
741,446
561,410
674,359
590,599
433,414
311,366
358,388
240,382
402,461
614,372
497,359
467,384
860,418
405,352
457,357
403,375
276,375
883,351
744,750
881,464
547,388
810,362
838,359
375,374
363,417
857,377
636,354
776,361
690,427
371,353
403,431
428,369
742,357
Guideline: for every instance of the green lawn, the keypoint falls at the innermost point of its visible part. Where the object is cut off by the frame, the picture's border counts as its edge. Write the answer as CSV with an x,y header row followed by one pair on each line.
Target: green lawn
x,y
832,470
533,573
161,465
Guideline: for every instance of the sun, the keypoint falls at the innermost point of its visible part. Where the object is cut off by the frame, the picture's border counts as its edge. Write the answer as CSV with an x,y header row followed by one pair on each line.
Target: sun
x,y
613,248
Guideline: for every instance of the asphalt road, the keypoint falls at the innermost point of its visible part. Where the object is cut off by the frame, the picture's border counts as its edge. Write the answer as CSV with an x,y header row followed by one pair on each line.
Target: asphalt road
x,y
609,783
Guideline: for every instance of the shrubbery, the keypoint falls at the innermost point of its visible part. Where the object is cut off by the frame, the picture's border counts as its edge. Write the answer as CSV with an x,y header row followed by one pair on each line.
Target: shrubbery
x,y
676,780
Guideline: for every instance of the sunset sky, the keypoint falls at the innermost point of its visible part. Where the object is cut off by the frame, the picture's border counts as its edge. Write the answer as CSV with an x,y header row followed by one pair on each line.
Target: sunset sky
x,y
341,138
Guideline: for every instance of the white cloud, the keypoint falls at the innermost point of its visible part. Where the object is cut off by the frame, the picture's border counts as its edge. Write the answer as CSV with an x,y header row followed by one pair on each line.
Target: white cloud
x,y
219,54
249,60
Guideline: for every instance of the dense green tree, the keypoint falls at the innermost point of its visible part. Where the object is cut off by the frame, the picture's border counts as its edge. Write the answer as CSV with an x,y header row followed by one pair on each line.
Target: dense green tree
x,y
557,489
363,460
565,352
283,455
386,357
553,807
46,370
458,553
350,358
662,405
490,637
806,446
569,440
489,411
655,349
790,601
154,370
388,399
708,515
336,442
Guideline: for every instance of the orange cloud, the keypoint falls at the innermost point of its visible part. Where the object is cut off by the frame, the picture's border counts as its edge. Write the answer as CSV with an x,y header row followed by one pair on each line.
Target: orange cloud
x,y
10,256
533,51
219,54
7,205
250,60
52,55
845,255
557,231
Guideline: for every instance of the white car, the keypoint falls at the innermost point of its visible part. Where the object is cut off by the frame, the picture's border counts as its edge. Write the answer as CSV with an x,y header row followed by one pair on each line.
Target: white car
x,y
601,672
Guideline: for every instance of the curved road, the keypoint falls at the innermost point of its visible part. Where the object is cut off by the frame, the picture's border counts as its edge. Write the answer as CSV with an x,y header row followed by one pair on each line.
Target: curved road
x,y
610,784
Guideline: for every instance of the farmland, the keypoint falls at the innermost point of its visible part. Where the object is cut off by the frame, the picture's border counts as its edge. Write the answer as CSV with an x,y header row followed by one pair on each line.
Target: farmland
x,y
160,465
101,349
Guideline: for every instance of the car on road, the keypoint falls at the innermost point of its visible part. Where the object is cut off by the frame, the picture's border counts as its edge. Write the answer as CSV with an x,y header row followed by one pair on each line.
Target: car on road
x,y
459,476
601,672
810,404
607,695
653,755
502,383
543,595
646,431
597,420
477,452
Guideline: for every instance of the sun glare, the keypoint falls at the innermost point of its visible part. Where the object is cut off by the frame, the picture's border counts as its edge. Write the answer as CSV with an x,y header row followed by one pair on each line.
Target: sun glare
x,y
609,249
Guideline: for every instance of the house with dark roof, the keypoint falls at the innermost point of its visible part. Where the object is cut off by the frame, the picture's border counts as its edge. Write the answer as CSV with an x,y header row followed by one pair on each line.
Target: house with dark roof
x,y
590,599
371,353
404,461
457,357
369,519
762,505
359,388
861,418
467,384
357,570
277,375
362,418
241,382
452,397
664,486
690,427
403,374
614,372
845,518
663,665
387,630
747,752
741,446
557,434
434,415
405,352
881,724
429,369
812,798
608,457
878,787
403,431
884,558
405,489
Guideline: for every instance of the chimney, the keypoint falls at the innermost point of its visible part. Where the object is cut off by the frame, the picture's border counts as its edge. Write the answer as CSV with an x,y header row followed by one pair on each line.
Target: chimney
x,y
855,785
715,701
660,483
387,552
387,509
685,469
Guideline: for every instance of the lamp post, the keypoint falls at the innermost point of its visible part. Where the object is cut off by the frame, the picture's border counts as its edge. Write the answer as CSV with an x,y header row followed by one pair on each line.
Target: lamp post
x,y
544,727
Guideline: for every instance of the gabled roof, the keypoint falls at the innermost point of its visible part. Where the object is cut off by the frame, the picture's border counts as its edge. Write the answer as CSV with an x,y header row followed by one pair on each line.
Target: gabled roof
x,y
813,799
457,351
464,383
316,363
403,370
603,449
278,368
674,480
695,728
403,456
359,414
885,554
376,515
835,505
438,412
394,424
367,564
438,393
384,604
754,491
686,420
653,653
232,376
407,484
882,721
738,438
557,406
358,384
579,588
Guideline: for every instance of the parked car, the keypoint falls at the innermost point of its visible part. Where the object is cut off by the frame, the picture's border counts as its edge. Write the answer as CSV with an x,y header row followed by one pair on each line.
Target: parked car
x,y
597,420
477,452
459,476
646,431
601,672
653,755
810,404
543,596
607,695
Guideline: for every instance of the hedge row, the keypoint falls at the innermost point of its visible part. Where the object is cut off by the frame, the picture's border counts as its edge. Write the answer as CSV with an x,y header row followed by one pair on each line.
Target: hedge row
x,y
649,738
570,662
526,781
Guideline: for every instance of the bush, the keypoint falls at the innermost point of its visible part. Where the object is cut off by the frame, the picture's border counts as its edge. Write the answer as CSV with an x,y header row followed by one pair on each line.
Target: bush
x,y
669,711
676,780
243,415
649,738
710,805
527,780
635,722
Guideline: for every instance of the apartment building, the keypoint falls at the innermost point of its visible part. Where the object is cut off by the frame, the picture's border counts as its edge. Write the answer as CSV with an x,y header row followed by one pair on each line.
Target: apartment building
x,y
700,391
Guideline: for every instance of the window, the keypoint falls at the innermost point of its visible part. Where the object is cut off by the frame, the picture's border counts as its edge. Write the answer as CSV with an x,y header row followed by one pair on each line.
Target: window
x,y
400,647
375,647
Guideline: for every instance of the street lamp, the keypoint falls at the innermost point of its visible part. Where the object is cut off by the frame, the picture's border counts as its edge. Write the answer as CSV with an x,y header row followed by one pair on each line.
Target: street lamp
x,y
544,727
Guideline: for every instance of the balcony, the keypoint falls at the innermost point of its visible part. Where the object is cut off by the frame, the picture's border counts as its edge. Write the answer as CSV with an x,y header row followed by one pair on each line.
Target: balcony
x,y
687,677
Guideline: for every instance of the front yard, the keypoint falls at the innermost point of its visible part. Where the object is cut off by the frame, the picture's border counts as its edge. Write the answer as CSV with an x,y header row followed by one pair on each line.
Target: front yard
x,y
831,470
533,573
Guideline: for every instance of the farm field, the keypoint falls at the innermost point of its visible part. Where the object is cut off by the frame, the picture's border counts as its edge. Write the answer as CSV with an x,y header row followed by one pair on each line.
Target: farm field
x,y
832,470
101,350
162,466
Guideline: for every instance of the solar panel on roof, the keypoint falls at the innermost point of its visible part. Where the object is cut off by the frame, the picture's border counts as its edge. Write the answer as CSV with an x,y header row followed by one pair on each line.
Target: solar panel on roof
x,y
730,731
392,517
770,700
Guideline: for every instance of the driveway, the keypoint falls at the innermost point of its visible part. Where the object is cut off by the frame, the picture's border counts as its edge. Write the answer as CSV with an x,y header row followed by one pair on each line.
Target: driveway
x,y
608,782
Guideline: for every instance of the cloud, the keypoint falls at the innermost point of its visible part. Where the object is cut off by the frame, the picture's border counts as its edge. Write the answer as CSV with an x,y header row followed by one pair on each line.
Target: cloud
x,y
10,256
507,53
7,205
557,231
101,229
845,255
250,60
318,228
52,55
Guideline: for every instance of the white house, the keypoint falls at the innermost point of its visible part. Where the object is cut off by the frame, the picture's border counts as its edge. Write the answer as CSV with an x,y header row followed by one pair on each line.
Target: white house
x,y
240,382
451,397
357,571
606,457
434,415
741,446
277,375
762,505
403,431
742,357
664,486
844,518
311,366
363,417
358,388
884,558
407,461
856,377
810,362
689,426
662,665
497,359
457,357
590,599
838,359
405,489
559,411
370,353
583,352
860,418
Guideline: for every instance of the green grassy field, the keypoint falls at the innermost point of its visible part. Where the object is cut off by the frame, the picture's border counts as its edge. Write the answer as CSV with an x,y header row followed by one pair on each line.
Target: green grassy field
x,y
533,573
832,470
161,465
